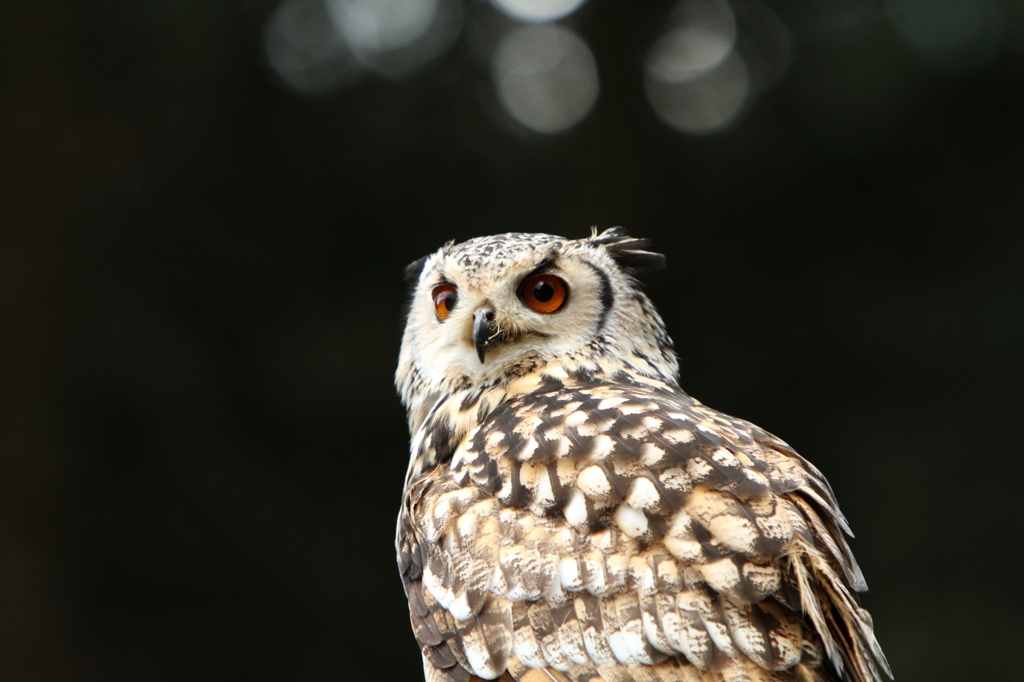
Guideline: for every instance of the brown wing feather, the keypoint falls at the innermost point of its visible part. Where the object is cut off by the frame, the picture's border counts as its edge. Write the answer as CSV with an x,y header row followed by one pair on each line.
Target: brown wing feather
x,y
622,532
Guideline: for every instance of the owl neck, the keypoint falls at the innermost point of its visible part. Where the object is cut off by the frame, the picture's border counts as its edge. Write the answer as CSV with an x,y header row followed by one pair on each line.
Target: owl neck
x,y
439,421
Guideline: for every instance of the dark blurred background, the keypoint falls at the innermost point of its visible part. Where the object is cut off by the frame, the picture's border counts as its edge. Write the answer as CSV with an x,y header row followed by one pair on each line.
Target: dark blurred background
x,y
205,208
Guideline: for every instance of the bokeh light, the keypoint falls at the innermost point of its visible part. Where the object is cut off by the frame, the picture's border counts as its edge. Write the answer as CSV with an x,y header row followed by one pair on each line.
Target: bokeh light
x,y
704,104
545,77
537,11
395,38
382,25
704,35
712,60
765,43
694,79
317,46
951,34
304,49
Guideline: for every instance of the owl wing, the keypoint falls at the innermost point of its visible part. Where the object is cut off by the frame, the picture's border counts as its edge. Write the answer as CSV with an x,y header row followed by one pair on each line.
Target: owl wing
x,y
623,532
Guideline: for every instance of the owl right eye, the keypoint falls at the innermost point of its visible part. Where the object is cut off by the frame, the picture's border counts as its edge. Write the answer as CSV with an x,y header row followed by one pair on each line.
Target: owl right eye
x,y
445,298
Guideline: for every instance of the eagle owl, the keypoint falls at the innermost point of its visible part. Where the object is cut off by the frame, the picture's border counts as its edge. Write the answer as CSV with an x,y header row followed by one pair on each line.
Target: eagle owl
x,y
570,513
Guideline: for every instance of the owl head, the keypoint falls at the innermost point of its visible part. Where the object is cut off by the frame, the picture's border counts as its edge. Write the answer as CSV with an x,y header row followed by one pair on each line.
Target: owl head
x,y
490,309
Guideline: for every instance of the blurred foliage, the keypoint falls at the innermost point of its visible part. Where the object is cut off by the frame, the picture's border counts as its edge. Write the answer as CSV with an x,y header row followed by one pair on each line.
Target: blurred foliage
x,y
201,303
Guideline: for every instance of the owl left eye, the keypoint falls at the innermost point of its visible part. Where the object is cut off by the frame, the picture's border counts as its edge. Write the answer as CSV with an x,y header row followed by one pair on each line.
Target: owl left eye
x,y
544,293
445,298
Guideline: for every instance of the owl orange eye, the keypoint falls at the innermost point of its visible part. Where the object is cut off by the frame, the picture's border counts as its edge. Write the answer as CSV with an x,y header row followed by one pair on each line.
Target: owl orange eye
x,y
544,293
445,298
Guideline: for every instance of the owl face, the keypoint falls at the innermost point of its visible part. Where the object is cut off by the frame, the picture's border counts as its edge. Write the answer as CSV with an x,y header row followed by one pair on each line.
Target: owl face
x,y
491,308
478,313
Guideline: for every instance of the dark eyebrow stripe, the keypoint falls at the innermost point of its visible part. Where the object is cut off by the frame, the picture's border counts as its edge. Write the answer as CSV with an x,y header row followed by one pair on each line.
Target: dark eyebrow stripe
x,y
607,297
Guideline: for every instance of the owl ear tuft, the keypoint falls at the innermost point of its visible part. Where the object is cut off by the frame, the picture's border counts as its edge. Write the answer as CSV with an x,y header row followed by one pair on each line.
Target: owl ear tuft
x,y
630,253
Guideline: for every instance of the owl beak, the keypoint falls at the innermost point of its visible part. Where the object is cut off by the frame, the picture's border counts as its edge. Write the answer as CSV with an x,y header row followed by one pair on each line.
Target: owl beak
x,y
484,330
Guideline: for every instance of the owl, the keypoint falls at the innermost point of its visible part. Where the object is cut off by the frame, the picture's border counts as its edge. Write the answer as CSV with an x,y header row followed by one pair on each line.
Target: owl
x,y
570,513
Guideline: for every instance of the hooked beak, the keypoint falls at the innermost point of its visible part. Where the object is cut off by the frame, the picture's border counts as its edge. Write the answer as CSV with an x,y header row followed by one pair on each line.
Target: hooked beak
x,y
484,330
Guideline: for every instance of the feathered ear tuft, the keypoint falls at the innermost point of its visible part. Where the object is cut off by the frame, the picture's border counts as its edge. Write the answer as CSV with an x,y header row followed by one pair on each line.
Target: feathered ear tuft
x,y
631,254
413,270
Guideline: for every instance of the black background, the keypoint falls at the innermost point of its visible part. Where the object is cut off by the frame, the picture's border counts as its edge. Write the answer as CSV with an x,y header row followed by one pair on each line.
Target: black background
x,y
202,452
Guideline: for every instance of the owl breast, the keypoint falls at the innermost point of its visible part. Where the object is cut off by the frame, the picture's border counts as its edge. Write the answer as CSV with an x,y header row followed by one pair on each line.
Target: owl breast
x,y
586,527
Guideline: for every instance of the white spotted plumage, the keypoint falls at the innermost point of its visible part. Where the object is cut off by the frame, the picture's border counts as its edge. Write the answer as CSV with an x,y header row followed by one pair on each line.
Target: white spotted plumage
x,y
571,514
